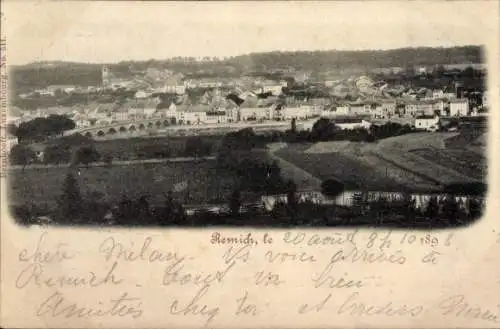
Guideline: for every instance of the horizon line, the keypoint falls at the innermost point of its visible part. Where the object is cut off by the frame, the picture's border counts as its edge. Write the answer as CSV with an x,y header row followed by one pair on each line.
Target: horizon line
x,y
246,54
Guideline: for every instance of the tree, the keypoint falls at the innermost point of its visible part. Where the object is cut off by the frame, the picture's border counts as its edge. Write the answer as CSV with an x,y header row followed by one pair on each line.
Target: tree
x,y
70,201
196,147
291,197
107,159
332,187
41,128
323,129
21,155
55,154
432,210
12,129
235,203
450,209
86,155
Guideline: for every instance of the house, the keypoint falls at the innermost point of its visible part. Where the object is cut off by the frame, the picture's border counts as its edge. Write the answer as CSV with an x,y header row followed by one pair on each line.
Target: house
x,y
251,109
427,122
459,107
351,123
420,70
449,95
439,105
120,114
414,108
384,109
173,88
233,114
149,112
485,99
297,112
60,88
216,117
358,108
342,109
437,93
141,94
273,89
254,113
191,114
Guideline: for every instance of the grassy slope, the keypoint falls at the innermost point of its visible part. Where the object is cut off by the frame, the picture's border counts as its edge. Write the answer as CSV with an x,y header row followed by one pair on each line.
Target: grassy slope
x,y
44,185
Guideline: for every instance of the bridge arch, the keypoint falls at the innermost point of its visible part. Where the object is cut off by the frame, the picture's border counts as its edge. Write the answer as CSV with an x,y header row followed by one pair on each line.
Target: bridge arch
x,y
132,128
100,133
111,131
88,134
122,129
141,126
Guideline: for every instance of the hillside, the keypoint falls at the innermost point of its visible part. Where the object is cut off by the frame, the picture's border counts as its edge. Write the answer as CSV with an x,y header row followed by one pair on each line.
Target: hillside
x,y
58,72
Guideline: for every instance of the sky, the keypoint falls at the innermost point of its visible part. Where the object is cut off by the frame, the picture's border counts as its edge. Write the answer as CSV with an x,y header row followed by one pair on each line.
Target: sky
x,y
113,31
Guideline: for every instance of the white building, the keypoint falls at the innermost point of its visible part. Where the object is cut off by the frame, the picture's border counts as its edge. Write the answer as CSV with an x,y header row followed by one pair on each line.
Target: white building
x,y
352,123
437,93
297,112
485,99
342,109
254,113
414,108
385,109
149,112
459,107
439,105
216,117
273,89
427,122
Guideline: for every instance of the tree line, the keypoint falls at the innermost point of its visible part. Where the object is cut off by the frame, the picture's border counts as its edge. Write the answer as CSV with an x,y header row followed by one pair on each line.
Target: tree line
x,y
40,129
81,150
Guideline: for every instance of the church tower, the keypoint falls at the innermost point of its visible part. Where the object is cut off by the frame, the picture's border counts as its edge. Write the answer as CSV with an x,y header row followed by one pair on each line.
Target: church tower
x,y
105,75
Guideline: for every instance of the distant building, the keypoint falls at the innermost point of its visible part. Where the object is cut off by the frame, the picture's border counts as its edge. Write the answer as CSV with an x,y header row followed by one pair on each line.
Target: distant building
x,y
384,109
414,108
216,117
295,112
485,99
459,107
360,108
427,122
437,93
352,123
342,109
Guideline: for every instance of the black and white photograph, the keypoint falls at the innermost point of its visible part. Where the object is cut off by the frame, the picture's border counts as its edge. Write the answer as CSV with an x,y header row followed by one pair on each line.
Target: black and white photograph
x,y
185,118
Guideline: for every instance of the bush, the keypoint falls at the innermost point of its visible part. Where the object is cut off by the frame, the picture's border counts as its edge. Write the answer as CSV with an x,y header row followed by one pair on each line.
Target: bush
x,y
332,187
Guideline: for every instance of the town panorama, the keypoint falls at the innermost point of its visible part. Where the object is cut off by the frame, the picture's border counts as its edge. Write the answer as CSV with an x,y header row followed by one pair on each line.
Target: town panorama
x,y
318,138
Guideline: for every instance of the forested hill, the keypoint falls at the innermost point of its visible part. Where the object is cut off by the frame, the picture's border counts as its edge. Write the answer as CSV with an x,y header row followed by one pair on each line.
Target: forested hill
x,y
60,72
333,59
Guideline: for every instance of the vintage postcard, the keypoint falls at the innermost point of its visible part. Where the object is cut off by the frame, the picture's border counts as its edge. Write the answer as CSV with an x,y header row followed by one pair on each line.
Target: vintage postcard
x,y
250,164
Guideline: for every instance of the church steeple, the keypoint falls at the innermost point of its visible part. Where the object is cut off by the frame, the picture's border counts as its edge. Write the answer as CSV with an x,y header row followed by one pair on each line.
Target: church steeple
x,y
105,75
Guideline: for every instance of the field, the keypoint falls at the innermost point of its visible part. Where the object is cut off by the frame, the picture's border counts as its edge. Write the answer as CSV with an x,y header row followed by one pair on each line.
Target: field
x,y
353,173
128,149
463,161
419,162
108,184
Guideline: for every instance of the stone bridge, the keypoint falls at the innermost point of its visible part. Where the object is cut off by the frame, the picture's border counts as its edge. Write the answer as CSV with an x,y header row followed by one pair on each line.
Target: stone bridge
x,y
122,127
165,125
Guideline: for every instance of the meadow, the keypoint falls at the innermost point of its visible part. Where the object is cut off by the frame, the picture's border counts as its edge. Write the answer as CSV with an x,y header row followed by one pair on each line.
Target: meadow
x,y
353,173
462,161
417,162
108,184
